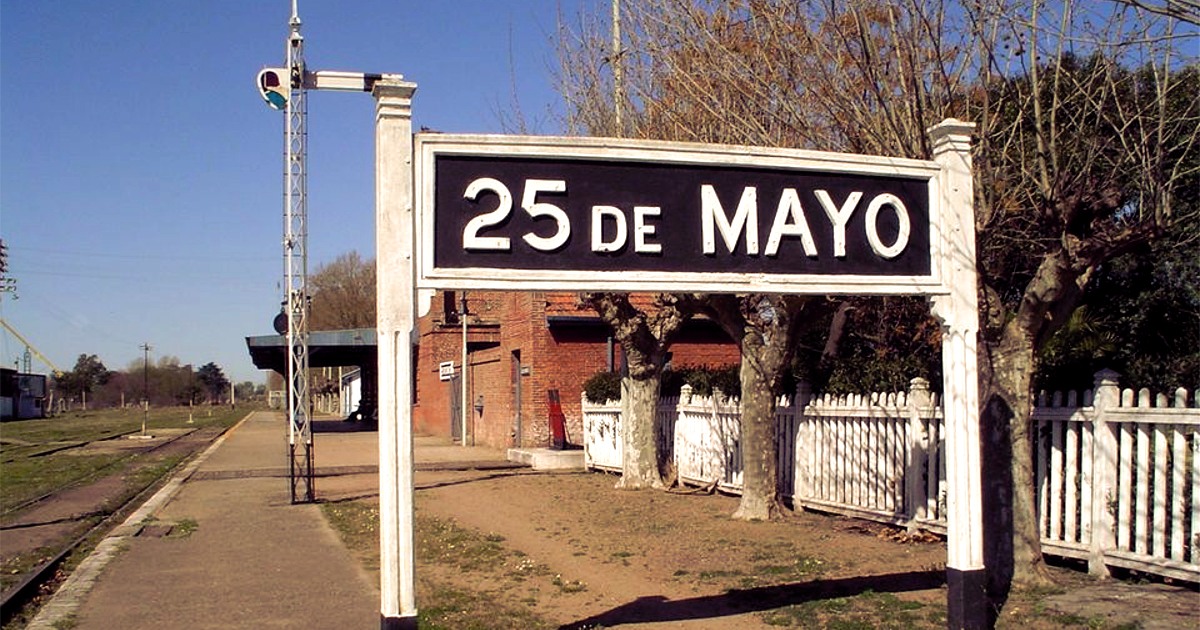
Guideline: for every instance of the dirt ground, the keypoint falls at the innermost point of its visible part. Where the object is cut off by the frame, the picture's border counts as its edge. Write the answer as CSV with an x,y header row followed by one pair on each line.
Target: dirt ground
x,y
586,555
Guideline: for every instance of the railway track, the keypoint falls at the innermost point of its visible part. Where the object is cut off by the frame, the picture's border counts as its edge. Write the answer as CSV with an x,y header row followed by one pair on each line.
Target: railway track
x,y
42,578
25,505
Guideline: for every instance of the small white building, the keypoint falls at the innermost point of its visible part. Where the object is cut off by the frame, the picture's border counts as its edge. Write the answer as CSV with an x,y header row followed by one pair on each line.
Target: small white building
x,y
351,388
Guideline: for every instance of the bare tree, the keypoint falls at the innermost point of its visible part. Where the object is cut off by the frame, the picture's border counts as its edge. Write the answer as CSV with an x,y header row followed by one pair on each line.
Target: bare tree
x,y
1087,119
343,294
1089,126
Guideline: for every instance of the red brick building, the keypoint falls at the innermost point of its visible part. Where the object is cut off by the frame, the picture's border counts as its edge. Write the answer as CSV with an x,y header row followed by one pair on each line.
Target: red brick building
x,y
519,347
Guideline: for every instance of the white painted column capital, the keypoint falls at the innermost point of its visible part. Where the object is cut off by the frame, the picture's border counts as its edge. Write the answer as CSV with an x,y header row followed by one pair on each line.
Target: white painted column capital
x,y
951,135
393,99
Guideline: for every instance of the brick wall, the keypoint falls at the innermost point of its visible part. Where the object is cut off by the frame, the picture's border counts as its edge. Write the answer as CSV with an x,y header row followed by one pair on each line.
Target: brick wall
x,y
505,327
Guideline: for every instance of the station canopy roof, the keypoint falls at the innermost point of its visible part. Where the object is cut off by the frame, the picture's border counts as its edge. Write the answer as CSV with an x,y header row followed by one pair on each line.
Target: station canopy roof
x,y
326,348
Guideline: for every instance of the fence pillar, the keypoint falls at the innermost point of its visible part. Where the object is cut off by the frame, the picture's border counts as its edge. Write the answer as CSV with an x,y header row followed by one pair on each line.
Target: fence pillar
x,y
1104,471
801,445
916,453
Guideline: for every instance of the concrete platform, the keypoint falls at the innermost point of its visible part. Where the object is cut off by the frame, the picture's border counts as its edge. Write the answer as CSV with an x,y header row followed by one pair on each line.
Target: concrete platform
x,y
547,459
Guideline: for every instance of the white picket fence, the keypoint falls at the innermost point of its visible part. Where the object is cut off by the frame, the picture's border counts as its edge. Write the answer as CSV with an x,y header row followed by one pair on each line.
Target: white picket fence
x,y
1117,473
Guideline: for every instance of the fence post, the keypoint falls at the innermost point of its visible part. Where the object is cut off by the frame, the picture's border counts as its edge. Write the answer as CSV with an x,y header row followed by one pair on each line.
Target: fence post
x,y
916,453
1104,470
801,446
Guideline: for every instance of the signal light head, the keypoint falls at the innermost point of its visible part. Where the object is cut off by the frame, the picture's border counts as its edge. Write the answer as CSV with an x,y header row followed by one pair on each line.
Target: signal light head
x,y
275,87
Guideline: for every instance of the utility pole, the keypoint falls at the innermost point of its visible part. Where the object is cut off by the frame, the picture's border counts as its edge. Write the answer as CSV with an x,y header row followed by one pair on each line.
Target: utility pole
x,y
464,404
145,386
618,74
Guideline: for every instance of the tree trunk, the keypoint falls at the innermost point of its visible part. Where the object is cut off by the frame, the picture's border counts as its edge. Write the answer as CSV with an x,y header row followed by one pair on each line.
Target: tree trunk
x,y
1006,371
640,446
765,329
760,450
1015,362
1009,396
645,337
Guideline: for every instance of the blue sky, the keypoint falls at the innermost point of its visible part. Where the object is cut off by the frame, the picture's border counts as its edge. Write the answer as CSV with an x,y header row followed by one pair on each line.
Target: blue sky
x,y
141,174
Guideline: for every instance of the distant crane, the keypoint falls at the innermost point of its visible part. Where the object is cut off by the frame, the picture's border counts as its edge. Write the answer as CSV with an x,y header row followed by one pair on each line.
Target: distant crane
x,y
29,347
284,89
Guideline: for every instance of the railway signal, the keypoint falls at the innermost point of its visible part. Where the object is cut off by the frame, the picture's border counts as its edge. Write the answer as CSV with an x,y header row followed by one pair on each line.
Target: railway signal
x,y
284,89
274,87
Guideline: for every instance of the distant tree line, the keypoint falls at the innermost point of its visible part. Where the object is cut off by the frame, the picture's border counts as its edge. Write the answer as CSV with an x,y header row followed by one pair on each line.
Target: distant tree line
x,y
91,385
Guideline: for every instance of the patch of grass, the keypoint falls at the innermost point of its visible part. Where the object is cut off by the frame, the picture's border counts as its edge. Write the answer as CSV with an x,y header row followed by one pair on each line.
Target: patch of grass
x,y
568,586
357,523
183,528
13,568
445,542
719,573
445,546
1027,607
441,607
36,462
30,478
865,611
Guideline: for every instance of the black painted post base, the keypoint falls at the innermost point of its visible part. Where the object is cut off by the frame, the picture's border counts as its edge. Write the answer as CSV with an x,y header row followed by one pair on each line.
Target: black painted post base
x,y
397,623
967,606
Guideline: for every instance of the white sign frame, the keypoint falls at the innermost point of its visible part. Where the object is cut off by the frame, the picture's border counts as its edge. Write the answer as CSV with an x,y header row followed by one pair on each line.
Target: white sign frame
x,y
428,146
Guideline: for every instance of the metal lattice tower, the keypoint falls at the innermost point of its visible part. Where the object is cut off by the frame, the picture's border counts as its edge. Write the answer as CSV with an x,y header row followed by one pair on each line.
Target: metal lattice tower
x,y
285,89
295,270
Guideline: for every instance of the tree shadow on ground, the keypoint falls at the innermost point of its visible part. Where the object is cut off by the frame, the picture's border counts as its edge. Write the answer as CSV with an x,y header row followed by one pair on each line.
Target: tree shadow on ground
x,y
457,482
656,608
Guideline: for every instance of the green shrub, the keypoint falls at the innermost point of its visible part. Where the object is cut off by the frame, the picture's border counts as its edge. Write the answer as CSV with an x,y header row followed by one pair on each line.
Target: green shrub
x,y
603,387
703,379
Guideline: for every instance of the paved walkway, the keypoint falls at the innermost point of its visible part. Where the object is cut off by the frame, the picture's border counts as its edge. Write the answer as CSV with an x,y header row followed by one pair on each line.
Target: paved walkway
x,y
251,559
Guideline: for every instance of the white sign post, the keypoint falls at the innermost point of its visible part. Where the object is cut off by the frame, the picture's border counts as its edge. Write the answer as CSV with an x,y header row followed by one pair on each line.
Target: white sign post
x,y
396,321
503,212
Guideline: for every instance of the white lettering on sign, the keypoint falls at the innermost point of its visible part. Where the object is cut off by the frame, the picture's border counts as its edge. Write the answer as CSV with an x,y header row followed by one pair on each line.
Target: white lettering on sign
x,y
790,221
643,230
610,230
877,246
473,241
471,238
838,217
617,219
745,219
541,209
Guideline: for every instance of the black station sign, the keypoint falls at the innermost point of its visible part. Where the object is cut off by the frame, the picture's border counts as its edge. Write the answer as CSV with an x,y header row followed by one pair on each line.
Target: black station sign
x,y
719,214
